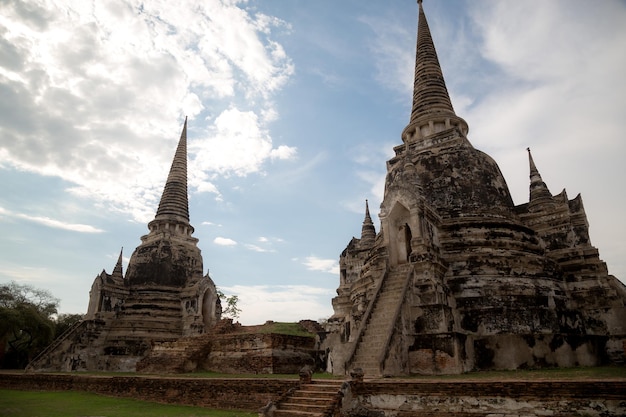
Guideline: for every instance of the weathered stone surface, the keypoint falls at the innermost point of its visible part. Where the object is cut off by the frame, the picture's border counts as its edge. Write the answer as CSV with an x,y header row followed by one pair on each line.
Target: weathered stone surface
x,y
486,398
162,297
459,278
236,353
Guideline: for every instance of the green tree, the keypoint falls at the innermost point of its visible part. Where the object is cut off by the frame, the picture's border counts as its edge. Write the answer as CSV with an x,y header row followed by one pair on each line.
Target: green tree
x,y
231,310
26,323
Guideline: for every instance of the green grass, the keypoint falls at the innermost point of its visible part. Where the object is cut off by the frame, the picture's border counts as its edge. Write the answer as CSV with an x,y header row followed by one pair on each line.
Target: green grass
x,y
73,404
290,329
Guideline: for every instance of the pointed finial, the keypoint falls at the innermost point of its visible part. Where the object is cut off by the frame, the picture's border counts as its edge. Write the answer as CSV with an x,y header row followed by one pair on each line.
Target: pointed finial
x,y
539,191
534,172
174,204
367,210
368,231
117,271
431,107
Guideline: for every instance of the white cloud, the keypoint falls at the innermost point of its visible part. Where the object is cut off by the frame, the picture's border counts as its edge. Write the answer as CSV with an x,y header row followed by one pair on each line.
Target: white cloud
x,y
283,152
563,98
257,248
290,303
264,245
314,263
224,241
237,144
54,223
94,93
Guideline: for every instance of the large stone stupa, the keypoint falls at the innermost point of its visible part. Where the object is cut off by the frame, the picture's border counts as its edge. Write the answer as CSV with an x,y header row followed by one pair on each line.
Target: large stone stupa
x,y
459,278
163,296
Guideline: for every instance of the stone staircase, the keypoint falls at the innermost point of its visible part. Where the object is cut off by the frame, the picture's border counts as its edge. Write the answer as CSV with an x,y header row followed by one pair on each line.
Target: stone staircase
x,y
382,319
40,359
319,398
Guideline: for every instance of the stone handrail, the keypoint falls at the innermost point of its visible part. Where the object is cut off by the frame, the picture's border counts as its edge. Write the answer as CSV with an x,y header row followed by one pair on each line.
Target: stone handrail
x,y
364,321
396,316
56,342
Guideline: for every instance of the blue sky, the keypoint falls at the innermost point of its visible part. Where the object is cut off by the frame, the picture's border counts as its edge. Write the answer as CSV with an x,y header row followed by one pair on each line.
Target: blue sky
x,y
294,107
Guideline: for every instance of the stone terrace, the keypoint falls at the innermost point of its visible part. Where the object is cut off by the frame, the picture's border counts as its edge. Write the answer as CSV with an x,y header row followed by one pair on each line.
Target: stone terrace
x,y
397,397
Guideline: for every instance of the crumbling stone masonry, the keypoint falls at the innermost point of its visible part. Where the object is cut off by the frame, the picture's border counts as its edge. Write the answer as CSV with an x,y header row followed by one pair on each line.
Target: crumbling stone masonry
x,y
162,297
459,278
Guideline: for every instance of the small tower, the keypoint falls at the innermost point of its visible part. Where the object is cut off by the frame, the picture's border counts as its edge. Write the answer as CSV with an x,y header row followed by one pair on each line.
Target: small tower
x,y
368,231
539,193
117,271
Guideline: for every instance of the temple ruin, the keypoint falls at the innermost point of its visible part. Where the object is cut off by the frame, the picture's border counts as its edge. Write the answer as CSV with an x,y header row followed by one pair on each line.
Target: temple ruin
x,y
163,296
459,278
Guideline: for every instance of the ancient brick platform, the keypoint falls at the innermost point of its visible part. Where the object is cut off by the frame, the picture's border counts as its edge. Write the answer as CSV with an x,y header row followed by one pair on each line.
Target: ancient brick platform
x,y
382,397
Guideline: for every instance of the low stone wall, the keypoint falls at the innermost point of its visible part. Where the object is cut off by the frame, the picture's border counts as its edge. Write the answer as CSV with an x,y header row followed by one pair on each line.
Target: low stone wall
x,y
236,393
234,353
605,398
389,398
258,353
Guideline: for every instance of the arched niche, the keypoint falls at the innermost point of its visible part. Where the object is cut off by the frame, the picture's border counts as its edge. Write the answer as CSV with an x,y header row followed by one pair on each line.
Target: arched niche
x,y
210,313
400,234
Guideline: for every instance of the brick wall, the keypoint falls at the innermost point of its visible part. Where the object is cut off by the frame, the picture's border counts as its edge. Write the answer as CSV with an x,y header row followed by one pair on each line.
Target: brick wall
x,y
591,389
243,394
593,398
400,398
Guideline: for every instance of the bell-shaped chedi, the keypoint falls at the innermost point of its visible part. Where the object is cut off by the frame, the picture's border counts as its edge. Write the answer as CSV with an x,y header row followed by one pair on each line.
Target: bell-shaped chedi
x,y
162,298
169,255
459,277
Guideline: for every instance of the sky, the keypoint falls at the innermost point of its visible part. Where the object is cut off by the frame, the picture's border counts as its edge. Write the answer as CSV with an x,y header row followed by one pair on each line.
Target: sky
x,y
294,108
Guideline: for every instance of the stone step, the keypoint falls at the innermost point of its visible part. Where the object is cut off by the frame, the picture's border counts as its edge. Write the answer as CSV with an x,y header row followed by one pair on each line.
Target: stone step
x,y
378,325
314,400
322,384
322,391
298,406
373,340
367,363
292,413
376,338
314,394
320,401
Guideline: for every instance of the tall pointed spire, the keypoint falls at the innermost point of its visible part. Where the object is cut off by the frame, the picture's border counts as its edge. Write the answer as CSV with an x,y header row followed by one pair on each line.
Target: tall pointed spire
x,y
368,231
174,204
539,191
117,271
432,109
